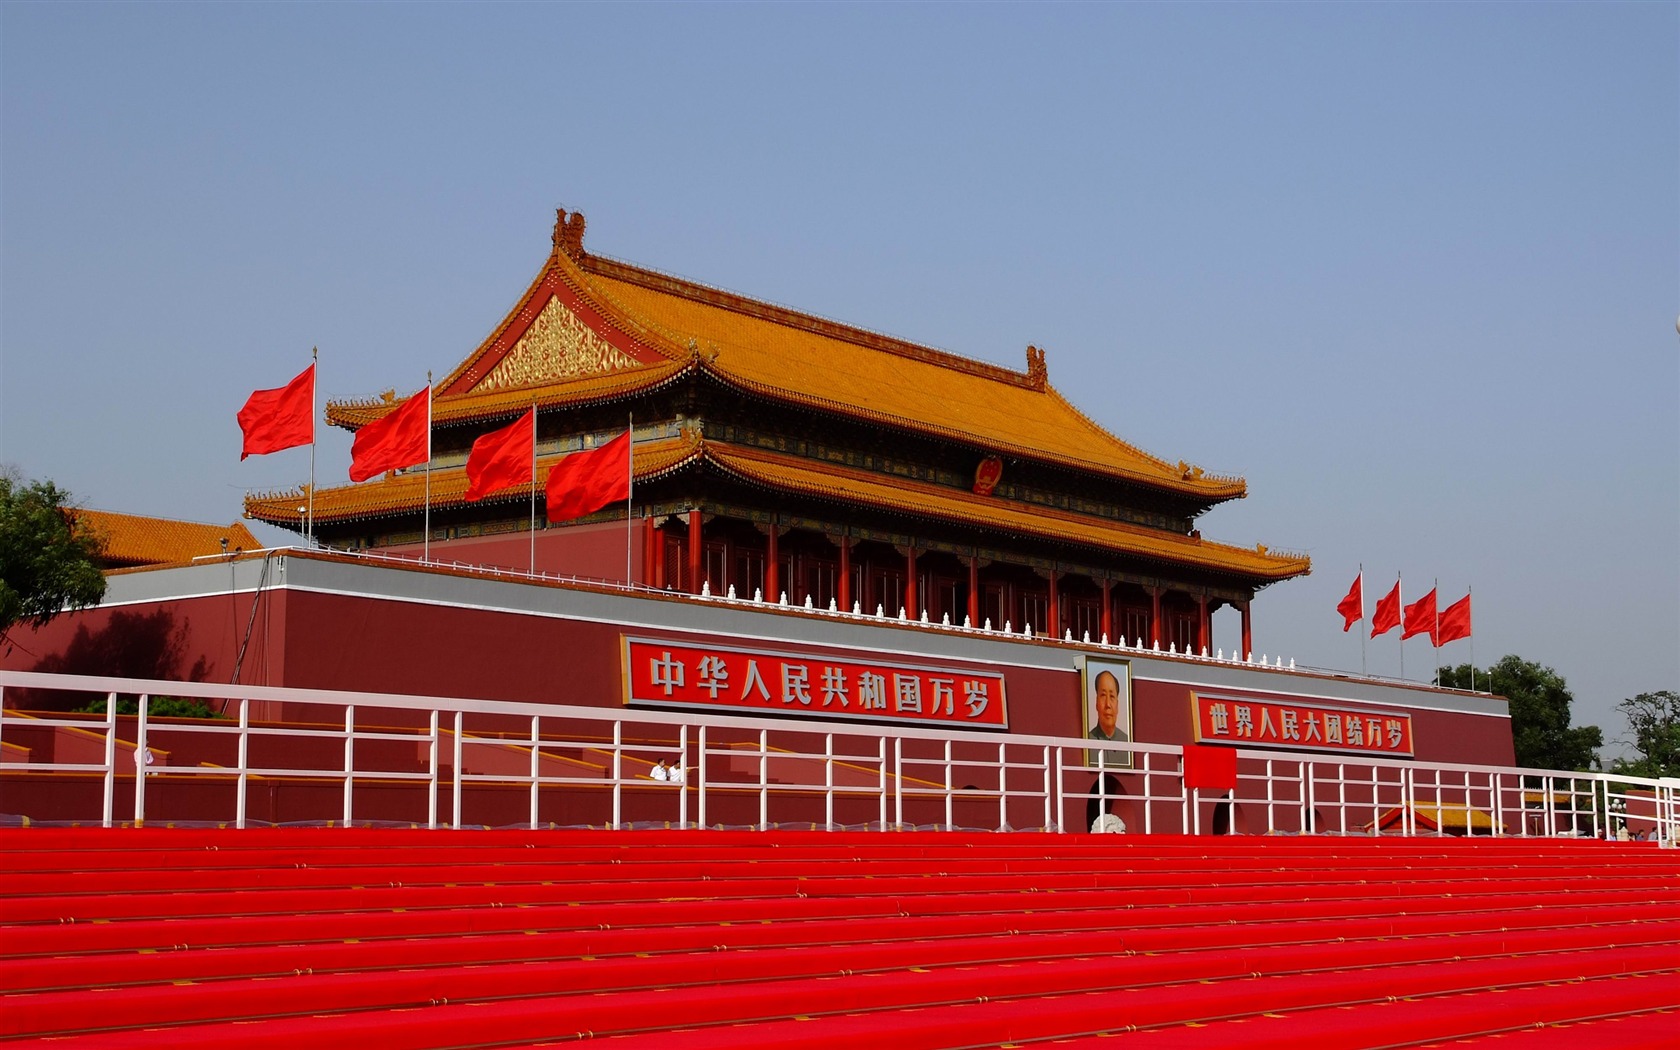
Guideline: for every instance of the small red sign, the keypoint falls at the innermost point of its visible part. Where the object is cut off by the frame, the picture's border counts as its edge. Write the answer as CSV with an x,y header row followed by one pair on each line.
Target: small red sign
x,y
805,685
1247,722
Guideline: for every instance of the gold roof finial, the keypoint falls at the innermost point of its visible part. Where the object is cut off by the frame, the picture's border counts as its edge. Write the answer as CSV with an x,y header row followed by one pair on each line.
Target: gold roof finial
x,y
568,232
1038,373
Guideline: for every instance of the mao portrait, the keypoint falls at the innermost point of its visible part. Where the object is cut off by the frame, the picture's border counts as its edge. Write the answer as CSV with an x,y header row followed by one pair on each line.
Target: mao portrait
x,y
1108,711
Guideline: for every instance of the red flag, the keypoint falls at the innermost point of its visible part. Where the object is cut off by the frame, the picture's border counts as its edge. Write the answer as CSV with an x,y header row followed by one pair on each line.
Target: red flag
x,y
1210,768
1352,607
401,439
1455,622
280,418
1386,616
502,458
1420,619
587,481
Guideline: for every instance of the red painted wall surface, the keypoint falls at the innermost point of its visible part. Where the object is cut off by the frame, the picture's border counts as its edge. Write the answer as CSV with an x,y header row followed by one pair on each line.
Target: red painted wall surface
x,y
325,641
345,641
192,639
593,552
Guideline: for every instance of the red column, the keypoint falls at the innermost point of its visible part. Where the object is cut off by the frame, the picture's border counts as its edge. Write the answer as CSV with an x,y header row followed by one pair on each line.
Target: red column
x,y
910,609
659,539
1155,617
1247,631
1053,614
694,550
1204,625
974,590
649,556
1107,619
773,567
845,587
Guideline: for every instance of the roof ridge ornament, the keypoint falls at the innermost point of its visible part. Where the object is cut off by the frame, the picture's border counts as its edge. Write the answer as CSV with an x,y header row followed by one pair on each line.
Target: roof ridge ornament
x,y
1038,373
568,233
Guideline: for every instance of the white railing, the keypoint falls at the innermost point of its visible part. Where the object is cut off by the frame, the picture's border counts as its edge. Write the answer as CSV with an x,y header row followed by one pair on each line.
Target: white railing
x,y
294,755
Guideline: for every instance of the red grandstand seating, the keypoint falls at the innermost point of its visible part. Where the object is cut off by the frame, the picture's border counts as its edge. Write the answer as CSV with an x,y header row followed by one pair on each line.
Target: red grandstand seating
x,y
360,937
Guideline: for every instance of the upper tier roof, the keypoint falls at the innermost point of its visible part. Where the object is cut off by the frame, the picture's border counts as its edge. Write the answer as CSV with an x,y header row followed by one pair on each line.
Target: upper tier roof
x,y
591,329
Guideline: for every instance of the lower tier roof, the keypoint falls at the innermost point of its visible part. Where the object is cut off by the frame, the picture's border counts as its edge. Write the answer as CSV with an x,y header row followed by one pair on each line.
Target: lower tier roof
x,y
778,473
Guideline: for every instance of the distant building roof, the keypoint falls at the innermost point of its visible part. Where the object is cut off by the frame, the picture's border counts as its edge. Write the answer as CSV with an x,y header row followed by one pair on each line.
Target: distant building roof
x,y
133,540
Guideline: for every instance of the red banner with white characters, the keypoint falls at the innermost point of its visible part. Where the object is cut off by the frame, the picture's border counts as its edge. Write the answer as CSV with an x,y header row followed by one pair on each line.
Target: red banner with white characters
x,y
807,685
1247,722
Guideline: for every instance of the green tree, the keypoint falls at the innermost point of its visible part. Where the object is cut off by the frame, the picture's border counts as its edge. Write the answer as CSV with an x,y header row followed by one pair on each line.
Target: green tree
x,y
1655,721
156,707
1540,702
47,561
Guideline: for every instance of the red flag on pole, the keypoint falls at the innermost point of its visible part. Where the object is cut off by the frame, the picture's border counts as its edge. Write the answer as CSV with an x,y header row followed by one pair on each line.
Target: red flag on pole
x,y
501,458
588,481
1455,622
1386,616
1421,619
1352,607
280,418
401,439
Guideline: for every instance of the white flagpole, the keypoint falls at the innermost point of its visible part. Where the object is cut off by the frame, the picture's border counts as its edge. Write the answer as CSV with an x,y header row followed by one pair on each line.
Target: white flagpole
x,y
1362,668
533,488
1401,595
1467,593
629,501
314,386
1435,635
426,540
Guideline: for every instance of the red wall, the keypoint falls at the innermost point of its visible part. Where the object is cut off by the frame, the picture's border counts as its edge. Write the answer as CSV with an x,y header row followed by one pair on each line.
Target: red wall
x,y
191,639
592,552
320,640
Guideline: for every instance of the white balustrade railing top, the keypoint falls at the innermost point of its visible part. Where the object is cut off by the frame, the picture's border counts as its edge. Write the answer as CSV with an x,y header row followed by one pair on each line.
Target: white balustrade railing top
x,y
443,761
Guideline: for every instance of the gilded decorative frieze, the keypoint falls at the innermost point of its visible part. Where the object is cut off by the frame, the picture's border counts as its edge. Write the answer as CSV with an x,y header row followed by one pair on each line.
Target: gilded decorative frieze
x,y
557,346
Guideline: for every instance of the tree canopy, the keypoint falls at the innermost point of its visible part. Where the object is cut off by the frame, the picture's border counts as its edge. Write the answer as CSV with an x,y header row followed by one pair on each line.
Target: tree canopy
x,y
47,561
1654,719
1540,702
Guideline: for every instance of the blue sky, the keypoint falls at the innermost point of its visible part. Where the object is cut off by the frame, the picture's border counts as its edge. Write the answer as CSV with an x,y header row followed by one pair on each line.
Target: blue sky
x,y
1411,269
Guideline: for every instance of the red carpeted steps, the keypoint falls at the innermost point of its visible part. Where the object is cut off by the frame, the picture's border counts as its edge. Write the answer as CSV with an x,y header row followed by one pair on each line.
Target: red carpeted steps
x,y
339,937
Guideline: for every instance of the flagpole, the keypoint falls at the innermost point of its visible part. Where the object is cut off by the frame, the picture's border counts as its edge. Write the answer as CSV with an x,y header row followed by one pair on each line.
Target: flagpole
x,y
1401,594
1469,591
533,488
314,384
629,500
1435,635
1363,671
426,540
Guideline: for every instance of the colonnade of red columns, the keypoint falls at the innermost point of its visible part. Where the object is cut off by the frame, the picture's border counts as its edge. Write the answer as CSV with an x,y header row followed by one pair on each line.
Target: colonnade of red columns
x,y
651,574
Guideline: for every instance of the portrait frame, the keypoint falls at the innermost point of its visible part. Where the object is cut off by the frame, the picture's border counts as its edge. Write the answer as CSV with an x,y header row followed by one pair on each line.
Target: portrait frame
x,y
1090,672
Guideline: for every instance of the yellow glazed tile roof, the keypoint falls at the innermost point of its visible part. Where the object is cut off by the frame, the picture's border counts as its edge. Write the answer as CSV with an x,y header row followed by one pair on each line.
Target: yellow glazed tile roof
x,y
667,326
356,414
785,473
134,539
1442,816
790,473
387,496
898,384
